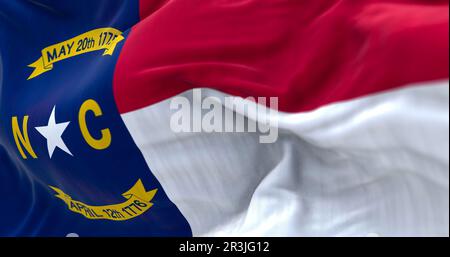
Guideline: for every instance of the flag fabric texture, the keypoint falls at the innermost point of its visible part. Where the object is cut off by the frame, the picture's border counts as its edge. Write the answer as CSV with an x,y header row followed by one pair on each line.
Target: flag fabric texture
x,y
86,146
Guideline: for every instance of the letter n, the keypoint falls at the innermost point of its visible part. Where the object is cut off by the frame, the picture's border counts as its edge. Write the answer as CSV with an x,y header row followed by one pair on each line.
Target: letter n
x,y
21,137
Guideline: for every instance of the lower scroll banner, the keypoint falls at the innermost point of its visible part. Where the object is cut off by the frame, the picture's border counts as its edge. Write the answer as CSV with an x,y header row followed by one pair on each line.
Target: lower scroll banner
x,y
138,202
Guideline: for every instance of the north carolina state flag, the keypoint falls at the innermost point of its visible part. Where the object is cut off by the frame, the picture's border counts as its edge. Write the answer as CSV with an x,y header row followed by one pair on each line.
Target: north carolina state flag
x,y
86,145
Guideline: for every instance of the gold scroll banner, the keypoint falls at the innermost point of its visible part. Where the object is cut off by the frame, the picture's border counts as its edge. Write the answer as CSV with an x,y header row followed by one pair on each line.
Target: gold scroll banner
x,y
137,202
97,39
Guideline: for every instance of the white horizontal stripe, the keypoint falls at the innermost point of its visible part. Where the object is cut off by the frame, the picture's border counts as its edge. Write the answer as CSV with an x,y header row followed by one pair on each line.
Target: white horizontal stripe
x,y
377,164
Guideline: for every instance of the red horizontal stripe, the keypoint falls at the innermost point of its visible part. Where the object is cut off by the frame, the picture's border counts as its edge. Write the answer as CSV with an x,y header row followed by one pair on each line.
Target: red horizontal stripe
x,y
308,53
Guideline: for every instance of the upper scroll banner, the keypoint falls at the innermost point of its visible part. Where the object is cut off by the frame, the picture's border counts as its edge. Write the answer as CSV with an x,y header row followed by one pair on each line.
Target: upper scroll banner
x,y
93,40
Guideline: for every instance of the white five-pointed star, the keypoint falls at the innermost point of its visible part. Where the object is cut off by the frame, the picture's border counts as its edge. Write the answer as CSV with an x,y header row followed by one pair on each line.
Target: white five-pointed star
x,y
53,132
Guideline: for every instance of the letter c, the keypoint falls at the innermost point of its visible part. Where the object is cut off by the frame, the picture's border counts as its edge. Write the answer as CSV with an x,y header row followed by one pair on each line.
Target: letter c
x,y
99,144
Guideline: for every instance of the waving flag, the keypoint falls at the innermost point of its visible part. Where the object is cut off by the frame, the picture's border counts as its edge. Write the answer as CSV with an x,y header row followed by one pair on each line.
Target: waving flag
x,y
88,100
